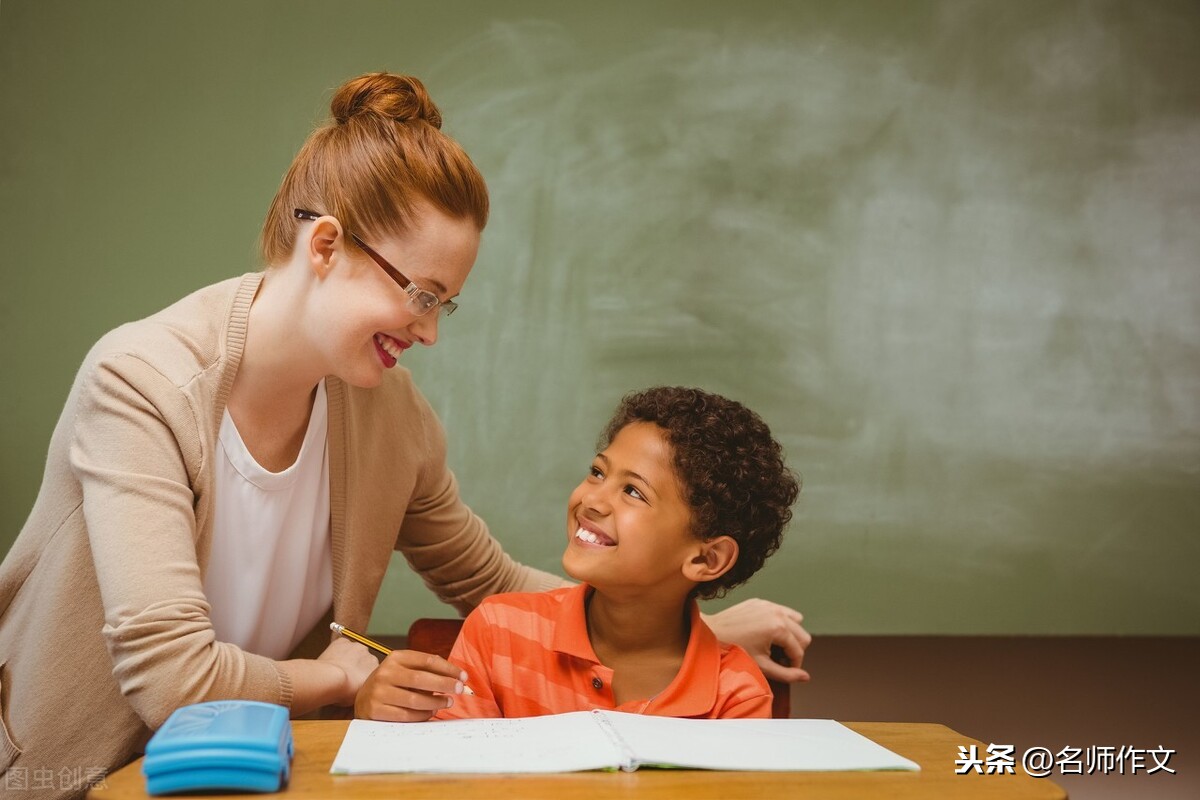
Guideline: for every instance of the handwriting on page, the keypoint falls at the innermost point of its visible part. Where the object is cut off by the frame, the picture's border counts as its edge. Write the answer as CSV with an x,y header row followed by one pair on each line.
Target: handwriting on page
x,y
539,744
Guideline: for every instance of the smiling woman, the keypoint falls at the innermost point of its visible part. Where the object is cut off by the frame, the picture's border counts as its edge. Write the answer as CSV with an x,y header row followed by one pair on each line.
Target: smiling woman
x,y
229,471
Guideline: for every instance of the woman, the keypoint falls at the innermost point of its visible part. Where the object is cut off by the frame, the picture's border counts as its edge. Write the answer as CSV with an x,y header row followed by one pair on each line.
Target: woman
x,y
230,473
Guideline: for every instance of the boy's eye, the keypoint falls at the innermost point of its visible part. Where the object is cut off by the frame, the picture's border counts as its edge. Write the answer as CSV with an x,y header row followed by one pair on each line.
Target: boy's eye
x,y
595,472
633,492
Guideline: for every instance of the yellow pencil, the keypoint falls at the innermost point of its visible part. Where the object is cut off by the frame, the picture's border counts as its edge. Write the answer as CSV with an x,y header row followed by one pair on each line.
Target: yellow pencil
x,y
371,643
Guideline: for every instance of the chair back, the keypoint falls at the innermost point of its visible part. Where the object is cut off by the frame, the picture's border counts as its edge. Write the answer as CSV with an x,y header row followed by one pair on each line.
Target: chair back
x,y
437,634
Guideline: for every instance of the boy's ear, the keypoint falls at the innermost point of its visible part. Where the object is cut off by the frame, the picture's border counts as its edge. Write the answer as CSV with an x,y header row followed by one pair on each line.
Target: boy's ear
x,y
713,559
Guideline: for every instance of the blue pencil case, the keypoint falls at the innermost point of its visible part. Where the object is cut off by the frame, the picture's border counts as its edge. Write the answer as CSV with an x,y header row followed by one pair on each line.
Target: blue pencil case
x,y
223,745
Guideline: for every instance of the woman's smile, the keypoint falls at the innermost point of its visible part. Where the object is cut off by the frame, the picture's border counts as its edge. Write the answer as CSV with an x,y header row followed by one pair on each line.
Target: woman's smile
x,y
389,349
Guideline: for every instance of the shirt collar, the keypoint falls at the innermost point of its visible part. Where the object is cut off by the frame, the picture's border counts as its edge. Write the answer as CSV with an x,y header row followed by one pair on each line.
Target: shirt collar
x,y
692,693
570,628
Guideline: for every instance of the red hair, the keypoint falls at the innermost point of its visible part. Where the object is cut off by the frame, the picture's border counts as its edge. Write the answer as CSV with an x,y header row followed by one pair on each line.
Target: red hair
x,y
373,164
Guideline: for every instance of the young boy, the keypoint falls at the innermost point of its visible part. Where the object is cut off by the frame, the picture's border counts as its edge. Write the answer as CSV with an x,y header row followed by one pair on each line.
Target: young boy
x,y
686,500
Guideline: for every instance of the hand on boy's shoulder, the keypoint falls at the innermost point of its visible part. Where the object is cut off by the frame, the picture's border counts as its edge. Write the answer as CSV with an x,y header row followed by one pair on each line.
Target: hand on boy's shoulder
x,y
756,625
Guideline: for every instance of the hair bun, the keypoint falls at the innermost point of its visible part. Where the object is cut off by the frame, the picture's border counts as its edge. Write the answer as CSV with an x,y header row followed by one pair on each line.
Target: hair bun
x,y
398,97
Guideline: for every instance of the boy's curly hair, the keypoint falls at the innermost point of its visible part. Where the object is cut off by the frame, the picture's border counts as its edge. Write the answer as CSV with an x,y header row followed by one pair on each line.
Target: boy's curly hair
x,y
729,467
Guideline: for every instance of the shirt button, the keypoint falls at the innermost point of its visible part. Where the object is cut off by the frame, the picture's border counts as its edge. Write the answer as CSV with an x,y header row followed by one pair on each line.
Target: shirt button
x,y
597,683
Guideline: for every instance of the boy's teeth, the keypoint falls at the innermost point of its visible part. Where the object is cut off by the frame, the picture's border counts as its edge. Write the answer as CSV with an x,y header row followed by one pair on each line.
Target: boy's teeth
x,y
590,537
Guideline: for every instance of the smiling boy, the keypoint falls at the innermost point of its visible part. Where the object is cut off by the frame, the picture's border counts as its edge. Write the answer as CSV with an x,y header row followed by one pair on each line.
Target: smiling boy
x,y
687,498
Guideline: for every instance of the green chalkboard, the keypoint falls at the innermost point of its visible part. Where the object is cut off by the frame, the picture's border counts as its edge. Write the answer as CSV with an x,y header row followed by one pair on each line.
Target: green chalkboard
x,y
949,250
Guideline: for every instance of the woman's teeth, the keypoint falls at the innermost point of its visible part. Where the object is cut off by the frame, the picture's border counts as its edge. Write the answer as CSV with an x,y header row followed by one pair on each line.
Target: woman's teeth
x,y
592,538
388,345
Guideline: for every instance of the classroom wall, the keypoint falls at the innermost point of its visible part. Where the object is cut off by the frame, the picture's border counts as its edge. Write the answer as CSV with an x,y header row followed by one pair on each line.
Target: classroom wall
x,y
947,249
1053,692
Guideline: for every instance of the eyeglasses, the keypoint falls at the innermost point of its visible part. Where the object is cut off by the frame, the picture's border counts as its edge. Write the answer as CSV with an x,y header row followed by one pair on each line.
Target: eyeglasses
x,y
419,300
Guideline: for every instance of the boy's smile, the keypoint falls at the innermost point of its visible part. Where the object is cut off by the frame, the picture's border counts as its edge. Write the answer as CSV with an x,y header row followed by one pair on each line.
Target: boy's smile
x,y
592,534
628,523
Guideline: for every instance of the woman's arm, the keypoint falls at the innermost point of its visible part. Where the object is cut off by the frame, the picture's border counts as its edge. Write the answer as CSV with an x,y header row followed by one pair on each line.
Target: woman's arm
x,y
136,449
757,625
333,678
447,543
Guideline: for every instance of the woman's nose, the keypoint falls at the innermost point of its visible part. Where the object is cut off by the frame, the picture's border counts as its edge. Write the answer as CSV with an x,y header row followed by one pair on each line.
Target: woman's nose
x,y
425,328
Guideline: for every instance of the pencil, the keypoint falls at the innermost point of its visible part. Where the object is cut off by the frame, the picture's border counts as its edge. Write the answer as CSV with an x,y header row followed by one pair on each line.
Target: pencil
x,y
358,637
371,643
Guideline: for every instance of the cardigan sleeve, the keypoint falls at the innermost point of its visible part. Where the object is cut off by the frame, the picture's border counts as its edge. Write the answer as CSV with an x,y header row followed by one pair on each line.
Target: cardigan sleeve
x,y
448,545
135,436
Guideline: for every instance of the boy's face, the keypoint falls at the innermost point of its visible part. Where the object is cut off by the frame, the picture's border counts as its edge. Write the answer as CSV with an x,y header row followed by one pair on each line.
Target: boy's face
x,y
627,522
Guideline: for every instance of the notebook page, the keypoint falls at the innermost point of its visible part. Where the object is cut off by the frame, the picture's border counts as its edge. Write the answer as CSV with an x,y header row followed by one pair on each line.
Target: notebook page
x,y
559,743
781,745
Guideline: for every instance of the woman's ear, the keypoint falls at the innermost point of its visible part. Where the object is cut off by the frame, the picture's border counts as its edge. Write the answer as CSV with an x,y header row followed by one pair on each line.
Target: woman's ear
x,y
321,245
713,558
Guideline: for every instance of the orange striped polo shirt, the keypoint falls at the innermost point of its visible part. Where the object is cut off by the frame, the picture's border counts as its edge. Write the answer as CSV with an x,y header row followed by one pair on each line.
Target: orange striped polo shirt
x,y
528,654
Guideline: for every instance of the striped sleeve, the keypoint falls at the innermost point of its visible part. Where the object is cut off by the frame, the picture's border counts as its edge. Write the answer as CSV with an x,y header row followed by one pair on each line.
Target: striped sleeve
x,y
472,652
742,689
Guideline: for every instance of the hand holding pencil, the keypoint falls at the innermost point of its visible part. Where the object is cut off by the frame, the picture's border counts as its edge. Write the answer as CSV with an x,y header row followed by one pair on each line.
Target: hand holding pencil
x,y
408,686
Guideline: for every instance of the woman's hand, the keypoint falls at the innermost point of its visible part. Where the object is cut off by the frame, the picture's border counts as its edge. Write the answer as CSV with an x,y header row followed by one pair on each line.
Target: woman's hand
x,y
332,678
757,625
409,686
355,661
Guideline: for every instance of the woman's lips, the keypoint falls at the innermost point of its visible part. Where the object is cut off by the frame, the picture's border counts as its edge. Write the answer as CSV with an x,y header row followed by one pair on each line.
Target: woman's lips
x,y
389,349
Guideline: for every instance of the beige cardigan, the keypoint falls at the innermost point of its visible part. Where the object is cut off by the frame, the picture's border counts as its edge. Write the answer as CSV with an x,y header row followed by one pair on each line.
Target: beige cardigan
x,y
104,627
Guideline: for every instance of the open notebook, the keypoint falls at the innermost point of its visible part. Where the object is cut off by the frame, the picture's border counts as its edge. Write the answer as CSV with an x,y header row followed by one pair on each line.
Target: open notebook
x,y
584,740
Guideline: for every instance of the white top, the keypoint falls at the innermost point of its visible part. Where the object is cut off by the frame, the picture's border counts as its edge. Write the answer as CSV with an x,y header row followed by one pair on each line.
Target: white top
x,y
270,573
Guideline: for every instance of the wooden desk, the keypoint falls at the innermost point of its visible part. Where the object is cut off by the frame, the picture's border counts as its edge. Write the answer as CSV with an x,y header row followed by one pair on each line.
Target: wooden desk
x,y
934,747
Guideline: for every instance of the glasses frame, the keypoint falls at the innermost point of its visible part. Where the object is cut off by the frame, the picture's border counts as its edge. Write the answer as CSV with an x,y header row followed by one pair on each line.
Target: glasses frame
x,y
420,301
